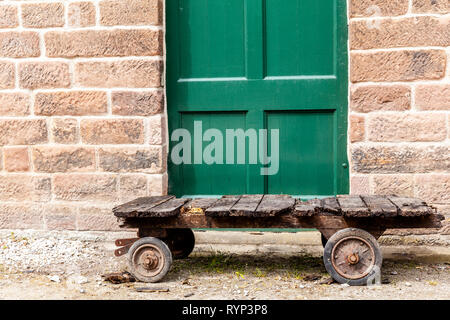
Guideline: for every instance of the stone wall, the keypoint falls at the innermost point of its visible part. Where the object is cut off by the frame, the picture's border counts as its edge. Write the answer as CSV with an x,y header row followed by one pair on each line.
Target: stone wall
x,y
82,119
81,110
400,98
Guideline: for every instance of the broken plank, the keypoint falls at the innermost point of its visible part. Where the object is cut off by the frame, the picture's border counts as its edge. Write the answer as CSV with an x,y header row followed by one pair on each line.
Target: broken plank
x,y
353,206
246,206
331,205
198,206
307,208
169,208
380,206
411,207
136,207
273,205
222,207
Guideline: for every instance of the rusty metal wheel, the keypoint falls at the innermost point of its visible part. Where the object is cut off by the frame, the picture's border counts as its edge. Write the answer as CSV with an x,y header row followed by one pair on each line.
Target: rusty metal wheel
x,y
181,242
352,256
149,259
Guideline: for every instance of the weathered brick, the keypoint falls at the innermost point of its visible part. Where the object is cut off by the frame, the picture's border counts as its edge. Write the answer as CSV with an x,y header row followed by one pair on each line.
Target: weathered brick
x,y
60,217
21,187
370,8
137,103
1,159
400,158
131,159
16,159
21,216
14,104
97,218
73,103
406,32
85,187
157,184
65,131
81,14
433,97
431,6
398,127
357,130
35,75
376,98
8,16
132,187
130,12
125,73
402,65
400,185
112,131
63,159
359,185
103,43
42,15
19,44
433,188
23,132
156,130
7,75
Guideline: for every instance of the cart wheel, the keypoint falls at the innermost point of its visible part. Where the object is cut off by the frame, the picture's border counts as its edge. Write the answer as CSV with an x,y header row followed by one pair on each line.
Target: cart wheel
x,y
323,239
149,259
181,242
352,256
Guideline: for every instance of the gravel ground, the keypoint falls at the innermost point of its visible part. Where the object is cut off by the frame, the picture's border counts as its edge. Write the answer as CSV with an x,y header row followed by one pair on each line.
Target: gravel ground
x,y
56,267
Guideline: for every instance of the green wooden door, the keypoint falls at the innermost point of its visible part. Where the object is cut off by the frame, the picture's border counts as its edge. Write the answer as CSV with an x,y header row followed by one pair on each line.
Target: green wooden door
x,y
260,64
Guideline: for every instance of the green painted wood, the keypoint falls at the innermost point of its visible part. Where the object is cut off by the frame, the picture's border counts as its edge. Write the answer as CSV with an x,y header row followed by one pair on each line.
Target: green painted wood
x,y
261,64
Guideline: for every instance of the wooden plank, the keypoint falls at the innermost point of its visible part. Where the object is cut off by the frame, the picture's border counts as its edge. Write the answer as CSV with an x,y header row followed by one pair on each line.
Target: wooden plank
x,y
198,206
285,221
222,207
331,205
308,208
169,208
246,206
411,207
273,205
353,206
380,206
136,207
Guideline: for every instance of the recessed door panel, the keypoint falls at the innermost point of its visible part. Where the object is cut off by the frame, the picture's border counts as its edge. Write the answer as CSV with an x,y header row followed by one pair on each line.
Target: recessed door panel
x,y
300,38
211,38
307,152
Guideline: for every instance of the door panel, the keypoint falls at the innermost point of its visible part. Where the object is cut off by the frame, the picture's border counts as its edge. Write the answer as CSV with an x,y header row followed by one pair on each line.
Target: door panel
x,y
300,37
309,156
261,64
211,46
196,179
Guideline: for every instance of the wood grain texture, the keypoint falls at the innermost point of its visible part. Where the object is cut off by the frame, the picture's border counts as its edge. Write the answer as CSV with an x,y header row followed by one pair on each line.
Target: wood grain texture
x,y
169,208
222,207
139,206
353,206
410,207
380,206
246,206
307,208
273,205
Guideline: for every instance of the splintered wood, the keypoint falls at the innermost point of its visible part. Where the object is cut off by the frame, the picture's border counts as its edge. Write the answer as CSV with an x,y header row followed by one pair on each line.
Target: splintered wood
x,y
265,206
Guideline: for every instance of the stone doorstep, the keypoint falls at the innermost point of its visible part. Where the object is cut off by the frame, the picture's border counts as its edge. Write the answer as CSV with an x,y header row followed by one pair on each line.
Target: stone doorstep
x,y
426,248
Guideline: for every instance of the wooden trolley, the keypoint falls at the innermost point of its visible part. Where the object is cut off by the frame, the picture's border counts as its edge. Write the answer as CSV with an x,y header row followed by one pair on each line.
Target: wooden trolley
x,y
350,227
